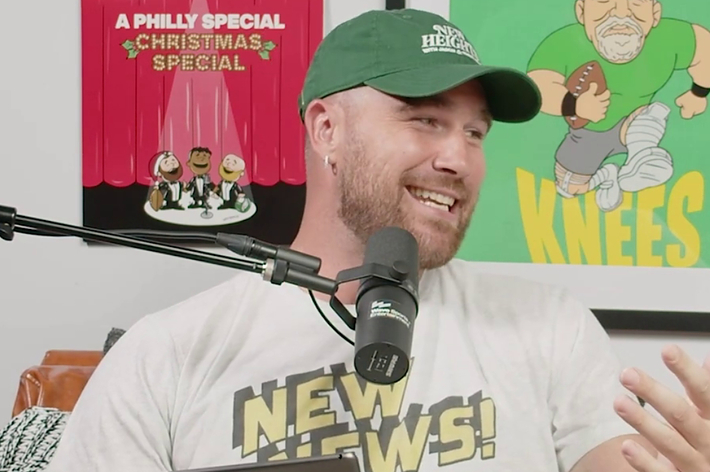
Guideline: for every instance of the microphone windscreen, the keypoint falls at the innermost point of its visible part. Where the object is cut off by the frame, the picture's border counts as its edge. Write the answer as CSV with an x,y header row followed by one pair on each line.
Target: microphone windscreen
x,y
387,308
392,245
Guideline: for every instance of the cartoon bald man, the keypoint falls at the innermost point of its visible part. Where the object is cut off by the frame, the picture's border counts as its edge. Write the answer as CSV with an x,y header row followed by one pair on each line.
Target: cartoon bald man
x,y
231,169
638,52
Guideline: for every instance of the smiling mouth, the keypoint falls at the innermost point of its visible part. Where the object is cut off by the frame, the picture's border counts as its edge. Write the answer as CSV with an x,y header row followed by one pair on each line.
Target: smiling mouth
x,y
199,166
433,199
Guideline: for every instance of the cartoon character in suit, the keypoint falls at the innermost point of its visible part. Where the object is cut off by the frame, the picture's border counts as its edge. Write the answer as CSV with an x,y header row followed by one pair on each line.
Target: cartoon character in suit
x,y
167,189
231,169
200,186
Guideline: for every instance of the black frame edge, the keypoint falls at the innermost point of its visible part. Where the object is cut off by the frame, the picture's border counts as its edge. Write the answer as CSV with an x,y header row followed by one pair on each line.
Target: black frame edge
x,y
394,4
649,320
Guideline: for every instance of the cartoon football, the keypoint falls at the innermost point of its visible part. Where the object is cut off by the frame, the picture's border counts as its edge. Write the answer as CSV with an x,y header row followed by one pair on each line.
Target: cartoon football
x,y
156,199
578,83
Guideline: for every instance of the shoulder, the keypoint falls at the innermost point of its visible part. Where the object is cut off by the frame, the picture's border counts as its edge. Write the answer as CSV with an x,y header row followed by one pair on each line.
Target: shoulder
x,y
470,277
506,298
669,25
672,39
560,47
196,317
573,32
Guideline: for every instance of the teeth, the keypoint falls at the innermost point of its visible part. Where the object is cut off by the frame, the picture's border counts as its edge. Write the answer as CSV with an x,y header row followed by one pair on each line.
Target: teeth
x,y
435,205
443,201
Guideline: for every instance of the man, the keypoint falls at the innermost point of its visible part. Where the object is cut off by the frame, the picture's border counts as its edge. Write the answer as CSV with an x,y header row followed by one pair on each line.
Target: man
x,y
167,188
231,169
506,375
684,442
635,51
200,185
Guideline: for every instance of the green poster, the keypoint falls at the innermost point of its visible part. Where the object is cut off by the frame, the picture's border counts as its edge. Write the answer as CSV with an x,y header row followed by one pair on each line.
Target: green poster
x,y
612,171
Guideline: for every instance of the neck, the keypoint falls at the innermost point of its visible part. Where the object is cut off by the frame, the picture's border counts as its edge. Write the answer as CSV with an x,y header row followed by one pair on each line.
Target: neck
x,y
323,235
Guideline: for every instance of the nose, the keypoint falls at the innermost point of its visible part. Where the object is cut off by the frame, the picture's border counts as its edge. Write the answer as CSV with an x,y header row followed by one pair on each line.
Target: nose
x,y
455,156
622,8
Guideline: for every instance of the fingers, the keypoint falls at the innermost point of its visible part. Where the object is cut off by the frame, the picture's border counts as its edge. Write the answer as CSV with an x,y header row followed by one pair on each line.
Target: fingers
x,y
689,443
706,364
640,459
664,438
694,378
686,113
668,441
593,87
605,96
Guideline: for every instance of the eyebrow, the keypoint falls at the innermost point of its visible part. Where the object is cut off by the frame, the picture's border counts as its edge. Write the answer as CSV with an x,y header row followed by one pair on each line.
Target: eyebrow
x,y
409,104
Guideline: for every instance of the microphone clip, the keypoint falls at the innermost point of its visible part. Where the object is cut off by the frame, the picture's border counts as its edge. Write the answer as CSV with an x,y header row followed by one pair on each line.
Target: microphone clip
x,y
8,217
397,274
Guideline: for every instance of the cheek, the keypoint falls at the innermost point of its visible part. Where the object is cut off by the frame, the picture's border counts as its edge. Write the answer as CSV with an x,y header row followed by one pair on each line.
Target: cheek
x,y
415,150
478,168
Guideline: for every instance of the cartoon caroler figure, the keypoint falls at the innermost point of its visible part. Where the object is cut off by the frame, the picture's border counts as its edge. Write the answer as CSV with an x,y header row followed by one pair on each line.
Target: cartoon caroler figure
x,y
200,186
637,52
231,170
167,189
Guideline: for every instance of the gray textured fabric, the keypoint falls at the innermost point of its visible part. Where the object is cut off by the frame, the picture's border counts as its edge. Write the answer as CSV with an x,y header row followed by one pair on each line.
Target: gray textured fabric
x,y
29,440
111,339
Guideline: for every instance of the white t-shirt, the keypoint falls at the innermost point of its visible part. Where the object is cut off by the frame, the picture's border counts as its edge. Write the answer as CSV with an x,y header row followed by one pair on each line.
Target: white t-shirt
x,y
507,375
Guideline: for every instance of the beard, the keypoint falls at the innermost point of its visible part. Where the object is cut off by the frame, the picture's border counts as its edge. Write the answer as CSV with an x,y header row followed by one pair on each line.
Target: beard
x,y
173,175
369,201
619,47
228,175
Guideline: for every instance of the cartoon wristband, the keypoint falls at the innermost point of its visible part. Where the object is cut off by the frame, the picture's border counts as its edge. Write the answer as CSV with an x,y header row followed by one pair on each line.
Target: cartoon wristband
x,y
699,91
569,105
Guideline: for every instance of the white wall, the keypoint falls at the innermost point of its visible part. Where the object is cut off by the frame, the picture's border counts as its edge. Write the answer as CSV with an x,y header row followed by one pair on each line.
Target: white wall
x,y
60,294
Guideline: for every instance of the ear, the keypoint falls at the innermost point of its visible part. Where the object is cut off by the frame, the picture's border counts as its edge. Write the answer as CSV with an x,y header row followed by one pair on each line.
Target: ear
x,y
321,121
579,11
656,12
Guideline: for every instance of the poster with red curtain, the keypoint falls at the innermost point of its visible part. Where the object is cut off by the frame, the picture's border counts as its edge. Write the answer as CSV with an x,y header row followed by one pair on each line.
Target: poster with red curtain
x,y
189,114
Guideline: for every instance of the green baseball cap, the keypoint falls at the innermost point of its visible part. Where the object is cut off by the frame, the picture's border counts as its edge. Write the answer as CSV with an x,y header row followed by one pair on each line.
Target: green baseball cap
x,y
412,53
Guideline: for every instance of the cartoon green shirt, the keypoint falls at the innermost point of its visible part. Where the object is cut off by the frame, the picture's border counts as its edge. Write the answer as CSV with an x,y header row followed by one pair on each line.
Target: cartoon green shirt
x,y
670,46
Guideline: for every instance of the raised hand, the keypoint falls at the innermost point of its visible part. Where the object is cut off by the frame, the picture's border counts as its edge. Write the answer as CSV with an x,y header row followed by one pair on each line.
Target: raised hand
x,y
684,441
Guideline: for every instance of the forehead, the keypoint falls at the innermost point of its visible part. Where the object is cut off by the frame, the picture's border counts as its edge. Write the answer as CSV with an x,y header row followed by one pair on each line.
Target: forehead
x,y
467,99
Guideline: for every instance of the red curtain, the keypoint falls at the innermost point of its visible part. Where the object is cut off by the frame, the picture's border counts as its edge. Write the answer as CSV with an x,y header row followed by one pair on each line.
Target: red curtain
x,y
131,111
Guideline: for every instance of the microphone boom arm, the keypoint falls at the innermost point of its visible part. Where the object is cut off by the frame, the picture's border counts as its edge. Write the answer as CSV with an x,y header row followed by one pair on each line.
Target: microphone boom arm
x,y
11,223
276,266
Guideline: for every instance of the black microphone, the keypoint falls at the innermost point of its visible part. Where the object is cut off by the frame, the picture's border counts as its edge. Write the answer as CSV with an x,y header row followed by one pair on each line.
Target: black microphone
x,y
253,248
386,309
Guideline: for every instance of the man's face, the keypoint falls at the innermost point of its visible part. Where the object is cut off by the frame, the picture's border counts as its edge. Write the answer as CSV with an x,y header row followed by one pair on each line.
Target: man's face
x,y
170,169
415,164
618,28
199,162
232,168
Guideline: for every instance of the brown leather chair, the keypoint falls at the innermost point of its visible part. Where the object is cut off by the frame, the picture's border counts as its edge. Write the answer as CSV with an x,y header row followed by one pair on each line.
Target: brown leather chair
x,y
57,382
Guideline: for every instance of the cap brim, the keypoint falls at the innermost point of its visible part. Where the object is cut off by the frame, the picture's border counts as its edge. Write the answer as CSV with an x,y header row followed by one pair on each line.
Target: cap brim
x,y
511,95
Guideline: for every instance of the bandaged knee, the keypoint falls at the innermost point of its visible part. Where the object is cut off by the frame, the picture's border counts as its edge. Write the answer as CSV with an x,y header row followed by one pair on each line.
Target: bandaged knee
x,y
647,129
565,178
601,176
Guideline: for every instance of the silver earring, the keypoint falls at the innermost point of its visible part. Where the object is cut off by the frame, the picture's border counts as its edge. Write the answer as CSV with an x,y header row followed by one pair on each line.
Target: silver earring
x,y
326,161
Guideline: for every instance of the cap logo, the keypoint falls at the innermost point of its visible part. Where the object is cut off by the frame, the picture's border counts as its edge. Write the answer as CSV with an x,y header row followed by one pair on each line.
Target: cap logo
x,y
448,39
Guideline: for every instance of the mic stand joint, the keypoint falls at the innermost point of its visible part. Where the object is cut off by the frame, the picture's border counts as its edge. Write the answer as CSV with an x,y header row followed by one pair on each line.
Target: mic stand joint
x,y
396,274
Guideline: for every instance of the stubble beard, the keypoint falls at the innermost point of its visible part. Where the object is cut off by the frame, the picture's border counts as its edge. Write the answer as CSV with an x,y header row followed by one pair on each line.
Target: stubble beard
x,y
369,203
620,47
173,176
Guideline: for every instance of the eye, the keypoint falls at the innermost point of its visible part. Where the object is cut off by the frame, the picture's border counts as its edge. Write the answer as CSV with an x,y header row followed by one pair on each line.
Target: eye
x,y
426,120
474,134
